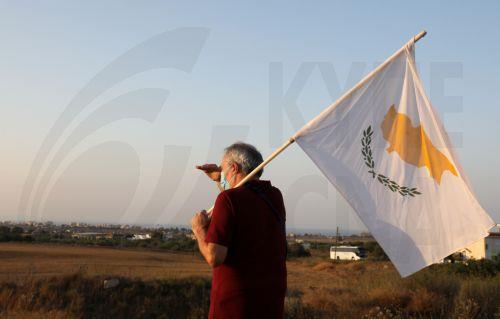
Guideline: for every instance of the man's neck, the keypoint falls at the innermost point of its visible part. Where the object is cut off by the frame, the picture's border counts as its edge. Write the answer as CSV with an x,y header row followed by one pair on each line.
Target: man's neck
x,y
240,177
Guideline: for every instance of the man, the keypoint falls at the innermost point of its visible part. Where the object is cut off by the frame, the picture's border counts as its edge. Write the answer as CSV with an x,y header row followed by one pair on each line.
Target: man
x,y
244,239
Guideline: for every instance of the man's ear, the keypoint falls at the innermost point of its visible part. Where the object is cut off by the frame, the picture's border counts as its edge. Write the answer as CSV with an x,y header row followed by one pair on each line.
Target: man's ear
x,y
236,168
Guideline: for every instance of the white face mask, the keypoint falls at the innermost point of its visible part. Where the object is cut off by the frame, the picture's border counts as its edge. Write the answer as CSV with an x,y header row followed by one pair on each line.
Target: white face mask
x,y
224,183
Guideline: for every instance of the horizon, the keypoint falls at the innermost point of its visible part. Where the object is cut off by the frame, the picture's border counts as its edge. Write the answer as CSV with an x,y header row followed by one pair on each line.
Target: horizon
x,y
313,231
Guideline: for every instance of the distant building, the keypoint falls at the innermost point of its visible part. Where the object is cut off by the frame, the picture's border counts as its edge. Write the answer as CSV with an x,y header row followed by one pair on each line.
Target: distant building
x,y
140,237
304,244
167,235
487,247
92,236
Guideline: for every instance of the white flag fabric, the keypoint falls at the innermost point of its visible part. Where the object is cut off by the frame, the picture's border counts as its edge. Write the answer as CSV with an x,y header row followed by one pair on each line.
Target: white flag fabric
x,y
385,150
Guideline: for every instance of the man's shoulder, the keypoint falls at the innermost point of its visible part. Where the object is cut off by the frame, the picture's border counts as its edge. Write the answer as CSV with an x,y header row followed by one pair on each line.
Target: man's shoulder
x,y
230,194
244,190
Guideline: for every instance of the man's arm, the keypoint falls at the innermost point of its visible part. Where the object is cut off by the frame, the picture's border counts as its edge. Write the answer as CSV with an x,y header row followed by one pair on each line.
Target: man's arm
x,y
214,254
213,172
219,186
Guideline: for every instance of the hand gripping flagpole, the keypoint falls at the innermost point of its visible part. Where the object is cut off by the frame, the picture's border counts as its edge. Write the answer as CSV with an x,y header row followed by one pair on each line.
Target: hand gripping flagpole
x,y
342,98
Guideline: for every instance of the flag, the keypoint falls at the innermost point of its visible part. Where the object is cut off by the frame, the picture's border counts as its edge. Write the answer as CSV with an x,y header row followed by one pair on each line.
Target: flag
x,y
384,148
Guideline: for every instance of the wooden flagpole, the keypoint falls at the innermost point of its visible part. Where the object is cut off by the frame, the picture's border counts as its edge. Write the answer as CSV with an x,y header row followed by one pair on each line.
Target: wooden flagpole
x,y
362,82
291,140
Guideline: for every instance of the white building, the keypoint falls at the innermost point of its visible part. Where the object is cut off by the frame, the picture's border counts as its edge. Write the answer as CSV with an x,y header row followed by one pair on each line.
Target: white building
x,y
487,247
140,237
304,244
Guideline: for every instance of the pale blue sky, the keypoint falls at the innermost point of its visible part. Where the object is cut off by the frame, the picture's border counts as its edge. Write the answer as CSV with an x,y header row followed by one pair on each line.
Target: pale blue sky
x,y
51,50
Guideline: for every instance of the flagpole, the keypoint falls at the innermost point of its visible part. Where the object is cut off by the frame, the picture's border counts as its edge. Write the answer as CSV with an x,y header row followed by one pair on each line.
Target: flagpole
x,y
368,77
419,36
291,140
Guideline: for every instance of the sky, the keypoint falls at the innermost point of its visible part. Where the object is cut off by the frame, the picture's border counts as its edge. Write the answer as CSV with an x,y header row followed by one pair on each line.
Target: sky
x,y
107,106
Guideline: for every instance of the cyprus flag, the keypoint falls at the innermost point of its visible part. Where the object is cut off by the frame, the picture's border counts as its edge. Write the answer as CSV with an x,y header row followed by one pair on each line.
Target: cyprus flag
x,y
384,148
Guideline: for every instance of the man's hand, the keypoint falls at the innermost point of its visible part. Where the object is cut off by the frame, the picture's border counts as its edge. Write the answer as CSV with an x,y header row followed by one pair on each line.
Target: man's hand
x,y
214,254
200,221
212,171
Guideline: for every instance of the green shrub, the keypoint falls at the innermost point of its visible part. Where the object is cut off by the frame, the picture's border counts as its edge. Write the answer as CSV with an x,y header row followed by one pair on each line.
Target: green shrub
x,y
375,252
470,268
297,250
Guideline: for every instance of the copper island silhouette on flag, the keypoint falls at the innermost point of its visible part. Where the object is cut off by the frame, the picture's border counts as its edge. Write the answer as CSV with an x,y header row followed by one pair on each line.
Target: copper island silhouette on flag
x,y
413,145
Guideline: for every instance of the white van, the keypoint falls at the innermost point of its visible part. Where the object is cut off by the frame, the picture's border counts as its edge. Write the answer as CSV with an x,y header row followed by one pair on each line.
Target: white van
x,y
346,252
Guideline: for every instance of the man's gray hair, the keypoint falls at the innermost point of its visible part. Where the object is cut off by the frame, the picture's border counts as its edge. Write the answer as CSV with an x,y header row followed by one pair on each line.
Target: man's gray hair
x,y
246,156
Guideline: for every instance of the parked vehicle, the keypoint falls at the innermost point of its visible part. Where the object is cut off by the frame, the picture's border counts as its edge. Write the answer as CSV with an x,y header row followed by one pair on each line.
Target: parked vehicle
x,y
347,253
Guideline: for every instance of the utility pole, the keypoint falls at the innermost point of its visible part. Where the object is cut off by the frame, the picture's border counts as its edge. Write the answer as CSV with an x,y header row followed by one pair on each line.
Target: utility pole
x,y
336,244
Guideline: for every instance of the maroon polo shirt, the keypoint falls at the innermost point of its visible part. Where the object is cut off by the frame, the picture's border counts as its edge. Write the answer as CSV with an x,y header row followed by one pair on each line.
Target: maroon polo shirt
x,y
251,282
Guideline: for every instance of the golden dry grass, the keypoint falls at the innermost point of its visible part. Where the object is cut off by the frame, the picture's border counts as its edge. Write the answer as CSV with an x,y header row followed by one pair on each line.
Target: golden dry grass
x,y
19,261
318,287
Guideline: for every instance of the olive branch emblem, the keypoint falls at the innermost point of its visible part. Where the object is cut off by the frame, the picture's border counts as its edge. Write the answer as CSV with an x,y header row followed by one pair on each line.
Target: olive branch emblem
x,y
366,151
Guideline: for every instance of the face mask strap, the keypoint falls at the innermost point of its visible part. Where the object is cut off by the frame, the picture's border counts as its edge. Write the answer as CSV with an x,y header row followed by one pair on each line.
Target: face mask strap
x,y
225,184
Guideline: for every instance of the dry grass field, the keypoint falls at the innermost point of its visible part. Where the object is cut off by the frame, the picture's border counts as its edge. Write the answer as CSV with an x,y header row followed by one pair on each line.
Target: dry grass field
x,y
66,281
19,261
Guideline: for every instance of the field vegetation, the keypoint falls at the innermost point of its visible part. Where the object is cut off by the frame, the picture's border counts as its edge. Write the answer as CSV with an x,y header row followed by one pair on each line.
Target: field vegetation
x,y
58,281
